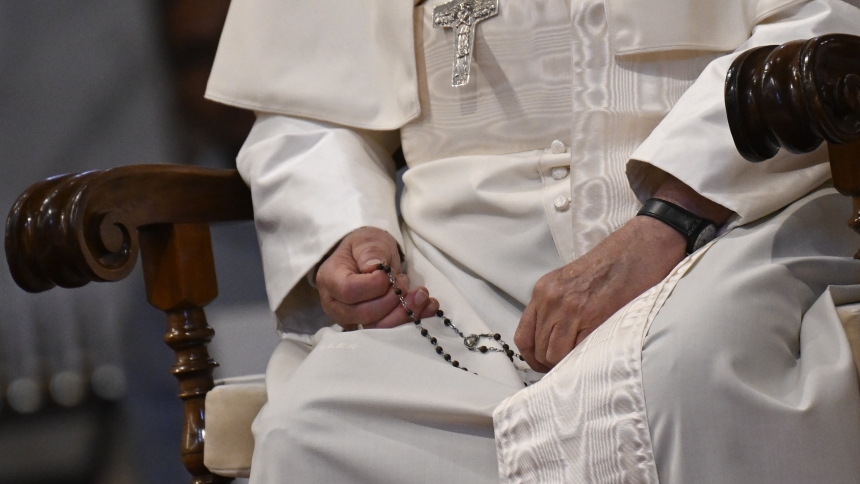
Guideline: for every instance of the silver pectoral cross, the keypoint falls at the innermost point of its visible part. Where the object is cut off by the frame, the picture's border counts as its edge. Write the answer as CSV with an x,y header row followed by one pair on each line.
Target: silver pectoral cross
x,y
463,16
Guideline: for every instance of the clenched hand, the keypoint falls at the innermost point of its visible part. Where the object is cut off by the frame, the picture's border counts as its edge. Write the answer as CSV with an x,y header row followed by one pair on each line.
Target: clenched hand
x,y
353,291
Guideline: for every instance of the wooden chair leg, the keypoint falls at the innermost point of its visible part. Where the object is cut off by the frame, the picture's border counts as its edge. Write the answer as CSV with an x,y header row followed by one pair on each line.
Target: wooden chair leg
x,y
179,270
70,230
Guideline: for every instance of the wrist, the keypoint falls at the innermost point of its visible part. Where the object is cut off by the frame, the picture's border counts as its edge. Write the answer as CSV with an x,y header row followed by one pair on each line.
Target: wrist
x,y
696,231
677,192
658,238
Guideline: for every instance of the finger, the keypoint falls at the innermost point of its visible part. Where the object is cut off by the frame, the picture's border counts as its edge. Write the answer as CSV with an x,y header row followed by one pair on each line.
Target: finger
x,y
524,338
562,339
357,288
416,300
371,252
430,309
350,288
369,313
339,278
366,312
372,265
400,318
555,335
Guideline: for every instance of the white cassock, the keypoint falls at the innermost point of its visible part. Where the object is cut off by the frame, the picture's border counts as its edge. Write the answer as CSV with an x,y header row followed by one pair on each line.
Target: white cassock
x,y
733,369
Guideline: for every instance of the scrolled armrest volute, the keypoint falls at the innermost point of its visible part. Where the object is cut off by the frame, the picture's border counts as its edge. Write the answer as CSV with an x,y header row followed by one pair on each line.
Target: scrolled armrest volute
x,y
795,96
72,229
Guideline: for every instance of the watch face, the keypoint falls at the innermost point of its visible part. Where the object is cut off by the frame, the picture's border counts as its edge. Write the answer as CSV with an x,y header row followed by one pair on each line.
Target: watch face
x,y
706,235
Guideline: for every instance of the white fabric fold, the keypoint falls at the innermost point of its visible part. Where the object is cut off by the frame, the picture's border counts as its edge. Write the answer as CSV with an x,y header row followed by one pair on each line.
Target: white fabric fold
x,y
693,142
312,183
546,433
640,26
351,63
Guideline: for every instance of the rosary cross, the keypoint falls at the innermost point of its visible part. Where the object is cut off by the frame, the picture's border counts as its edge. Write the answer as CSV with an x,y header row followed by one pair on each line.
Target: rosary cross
x,y
463,16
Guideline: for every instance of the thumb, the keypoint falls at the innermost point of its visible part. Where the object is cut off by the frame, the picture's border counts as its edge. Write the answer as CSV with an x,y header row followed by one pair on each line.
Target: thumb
x,y
370,254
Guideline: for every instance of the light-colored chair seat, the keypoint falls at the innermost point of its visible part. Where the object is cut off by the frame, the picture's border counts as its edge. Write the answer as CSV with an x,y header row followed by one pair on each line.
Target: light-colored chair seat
x,y
234,403
230,409
850,316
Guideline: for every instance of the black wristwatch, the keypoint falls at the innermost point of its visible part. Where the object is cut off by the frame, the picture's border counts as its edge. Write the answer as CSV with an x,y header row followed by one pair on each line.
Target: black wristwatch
x,y
697,230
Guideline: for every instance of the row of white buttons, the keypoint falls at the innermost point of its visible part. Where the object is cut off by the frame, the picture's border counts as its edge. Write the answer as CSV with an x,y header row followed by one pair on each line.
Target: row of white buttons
x,y
560,172
557,147
562,203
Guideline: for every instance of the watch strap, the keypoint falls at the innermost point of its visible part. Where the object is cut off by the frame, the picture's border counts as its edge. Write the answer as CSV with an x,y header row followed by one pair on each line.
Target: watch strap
x,y
685,222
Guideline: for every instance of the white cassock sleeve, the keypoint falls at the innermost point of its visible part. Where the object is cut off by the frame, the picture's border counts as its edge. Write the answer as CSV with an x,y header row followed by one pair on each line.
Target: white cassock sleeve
x,y
693,142
312,183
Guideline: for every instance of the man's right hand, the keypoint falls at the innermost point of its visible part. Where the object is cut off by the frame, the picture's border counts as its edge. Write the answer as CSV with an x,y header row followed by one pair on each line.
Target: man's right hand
x,y
353,290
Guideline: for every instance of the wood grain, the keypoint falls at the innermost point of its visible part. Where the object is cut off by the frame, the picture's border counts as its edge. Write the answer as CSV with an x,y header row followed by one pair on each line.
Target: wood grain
x,y
70,230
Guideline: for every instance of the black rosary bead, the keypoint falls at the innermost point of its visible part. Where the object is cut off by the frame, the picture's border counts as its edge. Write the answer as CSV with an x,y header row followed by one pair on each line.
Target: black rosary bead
x,y
469,341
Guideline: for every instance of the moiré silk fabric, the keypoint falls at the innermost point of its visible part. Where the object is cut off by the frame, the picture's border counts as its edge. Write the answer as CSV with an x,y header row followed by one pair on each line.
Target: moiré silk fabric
x,y
544,433
749,379
640,26
541,73
264,40
488,208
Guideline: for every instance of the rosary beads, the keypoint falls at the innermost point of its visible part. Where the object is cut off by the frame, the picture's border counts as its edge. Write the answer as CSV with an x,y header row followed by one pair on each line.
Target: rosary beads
x,y
469,341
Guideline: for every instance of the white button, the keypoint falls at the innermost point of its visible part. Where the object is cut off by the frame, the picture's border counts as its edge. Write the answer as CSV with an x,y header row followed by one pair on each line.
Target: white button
x,y
562,203
560,172
557,147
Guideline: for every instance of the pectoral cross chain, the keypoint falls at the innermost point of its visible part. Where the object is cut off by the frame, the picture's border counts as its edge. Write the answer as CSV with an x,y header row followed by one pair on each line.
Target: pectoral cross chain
x,y
463,16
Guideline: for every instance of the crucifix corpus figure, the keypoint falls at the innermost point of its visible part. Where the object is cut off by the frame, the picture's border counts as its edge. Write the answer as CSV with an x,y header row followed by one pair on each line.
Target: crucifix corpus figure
x,y
463,16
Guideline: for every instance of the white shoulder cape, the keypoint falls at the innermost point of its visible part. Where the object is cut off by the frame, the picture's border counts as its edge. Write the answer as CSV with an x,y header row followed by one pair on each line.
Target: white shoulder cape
x,y
352,62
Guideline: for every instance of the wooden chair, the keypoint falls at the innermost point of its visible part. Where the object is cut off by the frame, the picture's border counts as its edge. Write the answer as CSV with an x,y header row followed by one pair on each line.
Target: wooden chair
x,y
70,230
73,229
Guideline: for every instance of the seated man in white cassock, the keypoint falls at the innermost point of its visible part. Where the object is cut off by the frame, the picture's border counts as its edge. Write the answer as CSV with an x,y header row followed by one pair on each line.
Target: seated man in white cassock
x,y
519,250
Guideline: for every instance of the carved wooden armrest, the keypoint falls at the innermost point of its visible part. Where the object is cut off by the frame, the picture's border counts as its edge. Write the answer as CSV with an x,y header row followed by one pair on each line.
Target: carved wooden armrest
x,y
795,96
72,229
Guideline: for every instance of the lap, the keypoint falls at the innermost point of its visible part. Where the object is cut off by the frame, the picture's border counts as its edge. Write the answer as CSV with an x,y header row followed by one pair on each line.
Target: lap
x,y
746,376
734,386
364,407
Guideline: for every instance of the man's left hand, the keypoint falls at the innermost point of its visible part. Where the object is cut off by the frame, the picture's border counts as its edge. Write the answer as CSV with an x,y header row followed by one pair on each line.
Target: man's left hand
x,y
569,303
